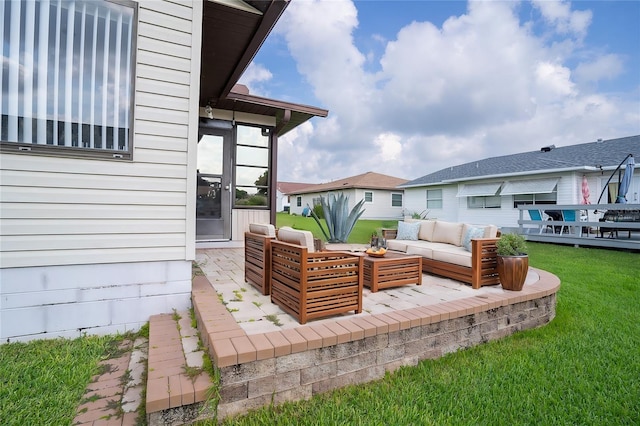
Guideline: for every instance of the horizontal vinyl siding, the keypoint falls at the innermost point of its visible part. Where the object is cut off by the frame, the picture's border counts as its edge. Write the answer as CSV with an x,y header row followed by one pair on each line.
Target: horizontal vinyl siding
x,y
65,211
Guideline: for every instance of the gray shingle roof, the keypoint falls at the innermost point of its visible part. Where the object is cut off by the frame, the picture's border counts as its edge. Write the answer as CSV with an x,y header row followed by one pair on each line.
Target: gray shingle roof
x,y
606,154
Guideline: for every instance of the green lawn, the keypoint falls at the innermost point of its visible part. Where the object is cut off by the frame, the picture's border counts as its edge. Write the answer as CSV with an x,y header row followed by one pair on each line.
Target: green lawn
x,y
361,231
581,369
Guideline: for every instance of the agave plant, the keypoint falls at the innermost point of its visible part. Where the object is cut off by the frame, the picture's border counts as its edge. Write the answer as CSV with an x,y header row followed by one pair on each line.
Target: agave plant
x,y
340,221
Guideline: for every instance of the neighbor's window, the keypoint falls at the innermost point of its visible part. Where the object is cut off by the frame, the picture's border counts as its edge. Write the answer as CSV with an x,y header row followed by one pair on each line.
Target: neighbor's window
x,y
396,200
520,199
299,201
484,202
434,198
368,197
67,78
252,166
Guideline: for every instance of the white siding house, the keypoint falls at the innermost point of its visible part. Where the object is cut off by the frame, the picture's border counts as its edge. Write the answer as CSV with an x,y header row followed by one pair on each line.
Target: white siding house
x,y
487,191
97,236
383,198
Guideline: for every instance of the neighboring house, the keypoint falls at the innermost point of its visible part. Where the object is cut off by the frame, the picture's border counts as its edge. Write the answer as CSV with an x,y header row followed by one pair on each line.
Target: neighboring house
x,y
489,190
125,145
284,189
383,198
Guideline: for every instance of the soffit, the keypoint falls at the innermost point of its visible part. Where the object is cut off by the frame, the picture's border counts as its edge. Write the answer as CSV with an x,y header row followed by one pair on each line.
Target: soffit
x,y
231,36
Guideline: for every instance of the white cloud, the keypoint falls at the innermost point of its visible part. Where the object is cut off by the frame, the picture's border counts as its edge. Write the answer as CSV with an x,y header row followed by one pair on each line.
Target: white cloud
x,y
254,75
559,14
483,84
606,67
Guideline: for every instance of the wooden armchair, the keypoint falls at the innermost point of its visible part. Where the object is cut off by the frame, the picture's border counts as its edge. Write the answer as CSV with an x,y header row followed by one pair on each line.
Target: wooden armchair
x,y
257,256
310,285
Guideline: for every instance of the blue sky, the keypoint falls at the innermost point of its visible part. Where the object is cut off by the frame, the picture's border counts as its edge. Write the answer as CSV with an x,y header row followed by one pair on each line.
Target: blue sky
x,y
416,86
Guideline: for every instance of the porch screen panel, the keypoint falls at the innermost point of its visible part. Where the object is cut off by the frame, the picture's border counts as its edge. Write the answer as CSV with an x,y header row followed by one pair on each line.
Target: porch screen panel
x,y
67,79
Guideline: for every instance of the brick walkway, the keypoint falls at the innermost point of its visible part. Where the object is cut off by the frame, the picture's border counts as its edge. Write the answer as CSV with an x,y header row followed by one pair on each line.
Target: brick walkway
x,y
113,397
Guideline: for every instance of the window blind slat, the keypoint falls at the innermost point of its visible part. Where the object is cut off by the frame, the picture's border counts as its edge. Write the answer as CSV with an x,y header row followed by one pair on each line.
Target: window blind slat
x,y
83,29
116,85
68,86
14,57
93,89
30,22
105,75
56,73
43,66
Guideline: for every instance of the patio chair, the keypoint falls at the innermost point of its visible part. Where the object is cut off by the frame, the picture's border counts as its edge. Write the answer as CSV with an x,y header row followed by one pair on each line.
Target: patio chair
x,y
570,216
536,215
257,256
309,284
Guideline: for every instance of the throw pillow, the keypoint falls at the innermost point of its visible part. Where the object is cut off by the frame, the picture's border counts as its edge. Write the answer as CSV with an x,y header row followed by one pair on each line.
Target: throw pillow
x,y
471,234
408,231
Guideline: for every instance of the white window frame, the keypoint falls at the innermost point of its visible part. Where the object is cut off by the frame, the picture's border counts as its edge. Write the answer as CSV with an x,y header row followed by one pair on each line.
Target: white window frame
x,y
533,199
484,202
401,198
298,201
69,107
365,197
435,201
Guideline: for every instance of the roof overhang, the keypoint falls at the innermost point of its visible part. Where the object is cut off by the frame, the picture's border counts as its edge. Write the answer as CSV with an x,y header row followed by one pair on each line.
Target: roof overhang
x,y
232,33
288,115
508,175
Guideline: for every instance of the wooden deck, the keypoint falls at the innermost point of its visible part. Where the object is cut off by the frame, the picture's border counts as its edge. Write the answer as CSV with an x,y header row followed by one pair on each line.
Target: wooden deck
x,y
582,233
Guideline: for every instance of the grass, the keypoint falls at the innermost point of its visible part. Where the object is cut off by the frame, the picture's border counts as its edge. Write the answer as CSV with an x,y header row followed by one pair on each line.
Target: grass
x,y
42,382
582,368
361,231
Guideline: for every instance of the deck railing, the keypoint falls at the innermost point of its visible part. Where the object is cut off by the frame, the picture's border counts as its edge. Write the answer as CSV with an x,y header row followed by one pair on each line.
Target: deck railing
x,y
584,219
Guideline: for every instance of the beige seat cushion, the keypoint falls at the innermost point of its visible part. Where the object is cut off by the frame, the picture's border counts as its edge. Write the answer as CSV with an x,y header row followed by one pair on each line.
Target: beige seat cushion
x,y
298,237
263,229
455,255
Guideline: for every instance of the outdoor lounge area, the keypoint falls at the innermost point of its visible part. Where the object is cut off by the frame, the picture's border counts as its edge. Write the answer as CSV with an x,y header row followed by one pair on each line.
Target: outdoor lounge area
x,y
266,356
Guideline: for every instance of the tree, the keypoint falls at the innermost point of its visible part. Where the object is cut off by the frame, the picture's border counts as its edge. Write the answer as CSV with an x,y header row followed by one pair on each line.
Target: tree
x,y
263,183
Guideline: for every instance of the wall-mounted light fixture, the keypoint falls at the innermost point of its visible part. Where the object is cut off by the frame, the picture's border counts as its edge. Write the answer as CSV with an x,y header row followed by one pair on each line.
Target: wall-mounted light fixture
x,y
209,111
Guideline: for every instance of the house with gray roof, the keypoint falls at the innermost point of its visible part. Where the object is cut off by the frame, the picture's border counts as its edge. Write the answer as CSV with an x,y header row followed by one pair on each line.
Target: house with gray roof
x,y
489,190
383,197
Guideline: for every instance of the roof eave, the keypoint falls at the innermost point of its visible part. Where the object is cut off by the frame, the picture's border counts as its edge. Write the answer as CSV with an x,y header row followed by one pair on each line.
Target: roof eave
x,y
506,175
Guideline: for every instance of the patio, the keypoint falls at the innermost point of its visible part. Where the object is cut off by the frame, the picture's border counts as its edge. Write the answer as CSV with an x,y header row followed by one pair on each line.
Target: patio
x,y
265,356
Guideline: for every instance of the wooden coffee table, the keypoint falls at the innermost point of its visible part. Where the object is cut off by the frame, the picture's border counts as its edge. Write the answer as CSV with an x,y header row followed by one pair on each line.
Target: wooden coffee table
x,y
392,270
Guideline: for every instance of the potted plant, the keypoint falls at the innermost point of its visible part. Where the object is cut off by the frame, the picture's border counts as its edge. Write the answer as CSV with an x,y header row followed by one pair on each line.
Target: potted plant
x,y
513,261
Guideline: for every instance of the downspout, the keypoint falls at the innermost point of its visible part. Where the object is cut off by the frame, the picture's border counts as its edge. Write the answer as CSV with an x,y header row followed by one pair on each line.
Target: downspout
x,y
273,176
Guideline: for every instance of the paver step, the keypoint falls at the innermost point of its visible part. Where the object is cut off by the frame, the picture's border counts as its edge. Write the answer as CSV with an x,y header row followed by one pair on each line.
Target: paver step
x,y
175,377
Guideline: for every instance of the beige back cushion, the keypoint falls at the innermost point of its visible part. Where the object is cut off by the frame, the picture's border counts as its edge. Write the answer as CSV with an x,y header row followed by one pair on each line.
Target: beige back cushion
x,y
447,232
263,229
295,236
426,230
490,231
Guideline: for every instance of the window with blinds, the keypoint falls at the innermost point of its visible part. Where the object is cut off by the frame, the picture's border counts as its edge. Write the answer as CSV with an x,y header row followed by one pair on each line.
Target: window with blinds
x,y
67,78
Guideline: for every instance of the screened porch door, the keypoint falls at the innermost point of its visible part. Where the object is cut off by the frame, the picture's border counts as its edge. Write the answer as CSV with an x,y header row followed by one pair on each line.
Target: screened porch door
x,y
213,203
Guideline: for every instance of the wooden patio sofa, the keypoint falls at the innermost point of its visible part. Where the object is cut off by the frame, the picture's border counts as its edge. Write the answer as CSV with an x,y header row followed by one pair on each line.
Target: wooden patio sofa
x,y
446,257
310,285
